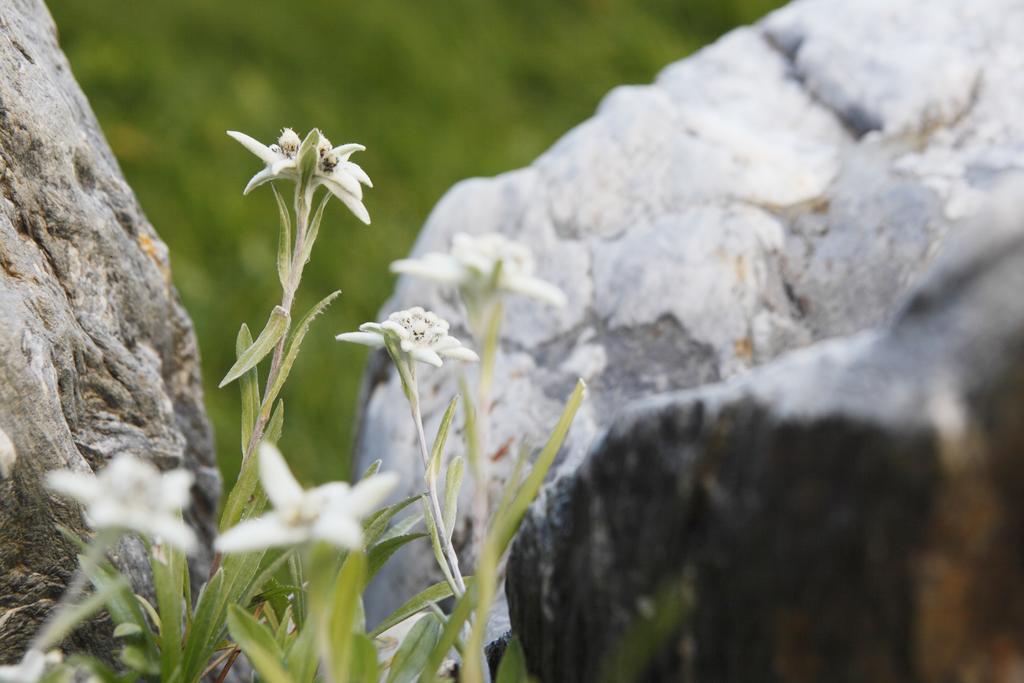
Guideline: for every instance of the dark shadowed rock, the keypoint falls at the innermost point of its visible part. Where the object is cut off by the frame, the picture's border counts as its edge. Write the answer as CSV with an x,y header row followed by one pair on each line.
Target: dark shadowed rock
x,y
97,356
850,512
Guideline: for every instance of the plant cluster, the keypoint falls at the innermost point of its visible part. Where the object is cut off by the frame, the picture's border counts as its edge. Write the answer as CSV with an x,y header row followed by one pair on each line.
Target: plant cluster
x,y
286,584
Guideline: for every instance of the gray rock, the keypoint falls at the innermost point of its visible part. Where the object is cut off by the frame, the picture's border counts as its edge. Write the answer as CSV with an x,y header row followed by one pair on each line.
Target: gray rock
x,y
97,356
849,512
781,186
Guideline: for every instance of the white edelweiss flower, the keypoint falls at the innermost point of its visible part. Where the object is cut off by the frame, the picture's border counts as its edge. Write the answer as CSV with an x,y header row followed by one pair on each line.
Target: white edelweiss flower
x,y
31,667
331,512
132,494
334,171
471,263
420,334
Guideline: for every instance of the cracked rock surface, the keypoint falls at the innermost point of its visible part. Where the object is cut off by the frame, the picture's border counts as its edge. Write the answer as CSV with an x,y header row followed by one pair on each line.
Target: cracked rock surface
x,y
783,186
97,355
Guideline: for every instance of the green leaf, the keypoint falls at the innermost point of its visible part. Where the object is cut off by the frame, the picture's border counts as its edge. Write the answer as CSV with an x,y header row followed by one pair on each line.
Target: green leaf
x,y
436,453
344,607
417,603
206,627
243,496
296,574
414,652
382,552
167,580
513,664
403,526
450,636
377,523
127,630
302,659
276,326
452,485
435,542
269,570
258,644
471,428
295,342
307,157
249,386
365,668
275,424
284,240
505,527
373,469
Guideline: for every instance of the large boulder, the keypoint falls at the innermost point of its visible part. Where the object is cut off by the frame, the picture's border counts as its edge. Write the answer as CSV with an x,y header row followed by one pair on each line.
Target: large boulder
x,y
850,512
782,186
97,356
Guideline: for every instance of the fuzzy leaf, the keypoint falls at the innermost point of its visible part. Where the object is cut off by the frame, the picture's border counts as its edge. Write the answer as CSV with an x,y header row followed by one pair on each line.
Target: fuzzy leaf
x,y
415,650
276,326
249,386
344,607
436,453
450,636
284,240
258,644
417,603
435,542
505,527
452,485
307,157
296,342
382,552
376,524
513,664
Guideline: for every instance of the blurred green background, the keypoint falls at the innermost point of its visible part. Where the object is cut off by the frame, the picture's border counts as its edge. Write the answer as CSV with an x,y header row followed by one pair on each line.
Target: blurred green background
x,y
437,90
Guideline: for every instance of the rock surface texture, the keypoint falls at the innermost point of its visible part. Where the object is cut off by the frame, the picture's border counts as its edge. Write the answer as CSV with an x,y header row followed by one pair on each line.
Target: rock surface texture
x,y
785,185
97,356
850,512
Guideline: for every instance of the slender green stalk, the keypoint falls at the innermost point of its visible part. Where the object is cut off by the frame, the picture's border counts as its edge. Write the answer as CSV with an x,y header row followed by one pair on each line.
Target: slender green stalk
x,y
459,586
291,286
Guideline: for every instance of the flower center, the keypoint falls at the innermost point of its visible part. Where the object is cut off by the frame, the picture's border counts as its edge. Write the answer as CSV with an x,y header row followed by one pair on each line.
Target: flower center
x,y
422,328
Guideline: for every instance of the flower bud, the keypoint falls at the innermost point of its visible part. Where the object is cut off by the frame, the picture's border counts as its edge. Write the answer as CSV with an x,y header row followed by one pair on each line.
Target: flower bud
x,y
289,142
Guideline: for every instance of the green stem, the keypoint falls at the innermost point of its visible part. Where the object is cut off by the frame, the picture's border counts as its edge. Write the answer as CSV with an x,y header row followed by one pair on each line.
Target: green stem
x,y
459,587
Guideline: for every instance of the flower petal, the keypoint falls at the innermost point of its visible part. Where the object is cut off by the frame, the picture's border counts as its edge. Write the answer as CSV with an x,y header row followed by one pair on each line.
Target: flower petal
x,y
278,481
439,267
80,486
347,182
353,204
356,171
172,531
263,532
368,494
264,176
371,339
175,487
341,530
535,288
427,356
345,151
266,155
460,353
